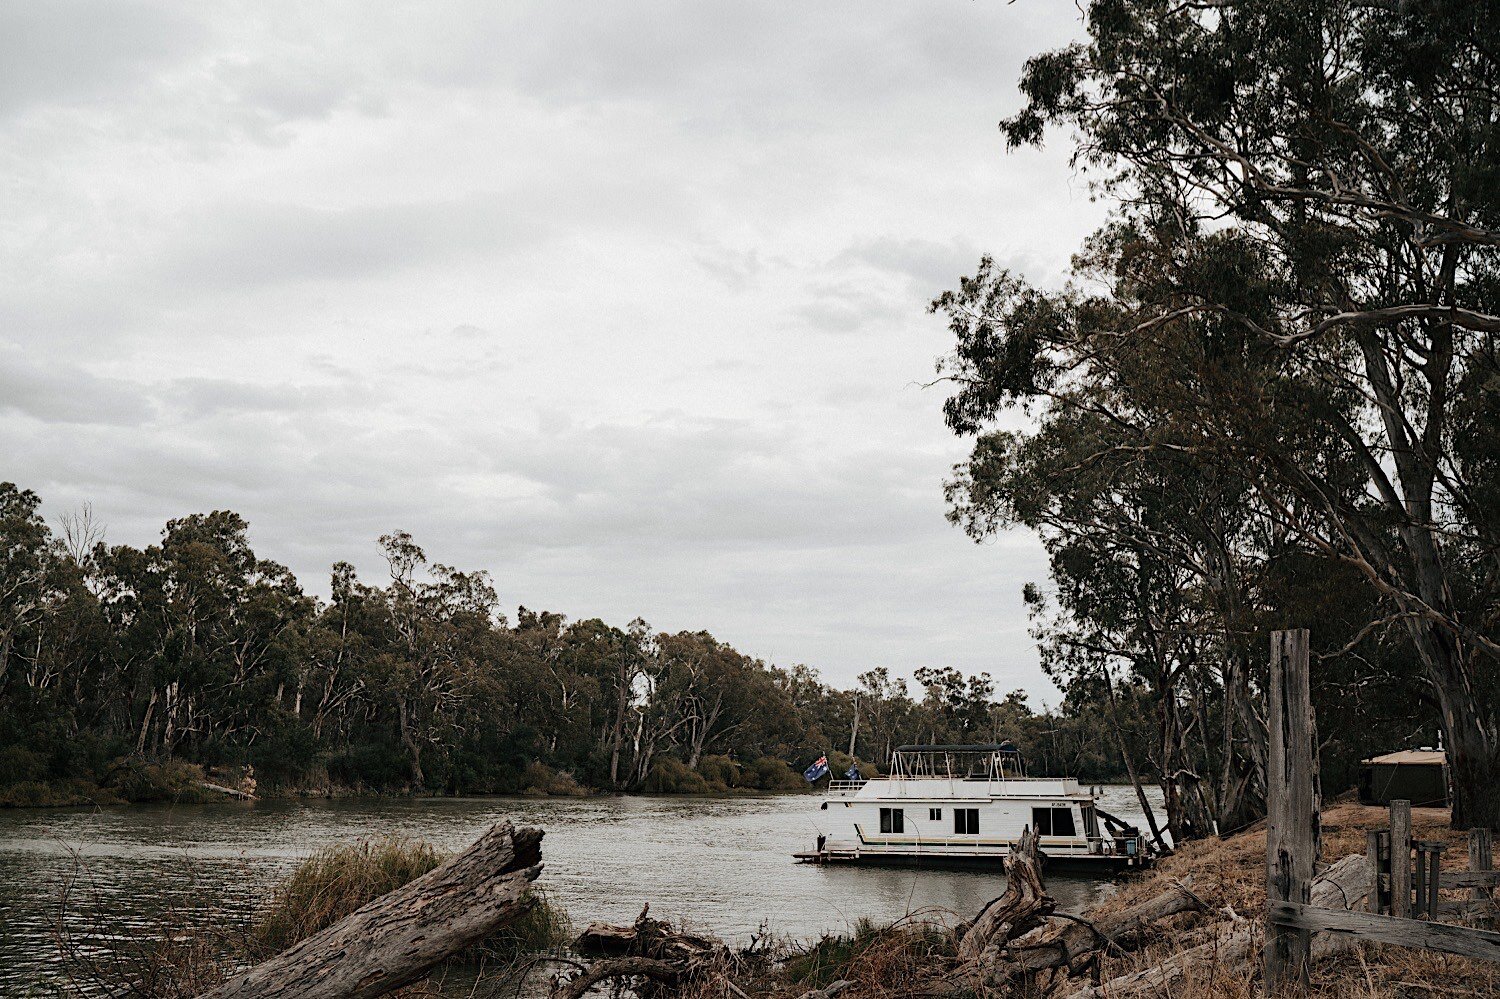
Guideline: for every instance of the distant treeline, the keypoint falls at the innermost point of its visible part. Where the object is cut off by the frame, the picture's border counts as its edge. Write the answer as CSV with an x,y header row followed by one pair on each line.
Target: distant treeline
x,y
120,666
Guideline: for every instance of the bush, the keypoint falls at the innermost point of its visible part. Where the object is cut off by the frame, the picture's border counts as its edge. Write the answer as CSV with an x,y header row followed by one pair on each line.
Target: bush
x,y
540,779
334,882
720,771
770,774
138,780
672,776
885,959
37,794
19,764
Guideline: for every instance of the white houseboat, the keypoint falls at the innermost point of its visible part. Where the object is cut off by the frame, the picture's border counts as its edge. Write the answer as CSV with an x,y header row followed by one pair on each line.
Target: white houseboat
x,y
965,806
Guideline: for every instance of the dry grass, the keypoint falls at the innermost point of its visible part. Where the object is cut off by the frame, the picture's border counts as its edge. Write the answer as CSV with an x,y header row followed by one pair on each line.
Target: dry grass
x,y
1231,873
336,881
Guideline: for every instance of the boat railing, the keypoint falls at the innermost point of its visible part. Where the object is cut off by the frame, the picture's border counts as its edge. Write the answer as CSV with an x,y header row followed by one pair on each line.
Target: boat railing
x,y
845,786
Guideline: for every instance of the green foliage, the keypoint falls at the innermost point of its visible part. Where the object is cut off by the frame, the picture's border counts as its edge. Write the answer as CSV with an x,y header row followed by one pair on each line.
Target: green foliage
x,y
1267,397
137,780
721,772
542,779
543,927
669,776
769,774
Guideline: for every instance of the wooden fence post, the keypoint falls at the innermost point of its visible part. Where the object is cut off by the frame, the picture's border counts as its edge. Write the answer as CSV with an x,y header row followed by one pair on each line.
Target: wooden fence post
x,y
1377,849
1293,806
1480,859
1401,858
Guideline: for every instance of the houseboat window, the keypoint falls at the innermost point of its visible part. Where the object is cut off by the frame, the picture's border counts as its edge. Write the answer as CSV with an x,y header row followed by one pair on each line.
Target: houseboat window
x,y
1053,821
892,820
934,814
966,821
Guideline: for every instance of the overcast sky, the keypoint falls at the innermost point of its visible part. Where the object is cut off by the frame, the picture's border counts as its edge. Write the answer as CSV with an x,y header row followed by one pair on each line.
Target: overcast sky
x,y
623,303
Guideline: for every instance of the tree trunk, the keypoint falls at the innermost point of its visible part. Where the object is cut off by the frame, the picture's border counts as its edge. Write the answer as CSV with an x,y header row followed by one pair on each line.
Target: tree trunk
x,y
622,701
397,939
1473,751
1024,904
1129,758
418,778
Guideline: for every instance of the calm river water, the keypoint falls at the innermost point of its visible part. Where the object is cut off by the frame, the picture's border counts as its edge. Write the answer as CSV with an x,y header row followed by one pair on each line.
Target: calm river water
x,y
720,864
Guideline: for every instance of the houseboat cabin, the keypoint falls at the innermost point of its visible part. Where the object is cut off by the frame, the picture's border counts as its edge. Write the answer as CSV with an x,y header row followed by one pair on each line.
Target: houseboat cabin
x,y
966,805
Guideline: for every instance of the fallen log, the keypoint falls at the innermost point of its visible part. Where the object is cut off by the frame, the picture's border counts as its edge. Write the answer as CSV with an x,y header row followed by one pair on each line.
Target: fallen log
x,y
1081,940
1235,953
398,938
646,937
665,972
232,792
648,948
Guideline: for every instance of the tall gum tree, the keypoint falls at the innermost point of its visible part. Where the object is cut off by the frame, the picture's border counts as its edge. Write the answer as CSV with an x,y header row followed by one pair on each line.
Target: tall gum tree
x,y
1309,193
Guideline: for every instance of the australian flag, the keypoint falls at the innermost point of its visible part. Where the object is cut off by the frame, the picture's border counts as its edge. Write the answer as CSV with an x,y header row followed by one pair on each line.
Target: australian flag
x,y
853,773
818,769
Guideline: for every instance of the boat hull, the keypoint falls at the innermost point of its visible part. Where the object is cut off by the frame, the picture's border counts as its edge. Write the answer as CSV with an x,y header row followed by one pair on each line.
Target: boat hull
x,y
1096,864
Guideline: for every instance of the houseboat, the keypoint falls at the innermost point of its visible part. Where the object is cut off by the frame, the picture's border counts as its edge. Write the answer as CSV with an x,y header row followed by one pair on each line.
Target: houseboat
x,y
964,806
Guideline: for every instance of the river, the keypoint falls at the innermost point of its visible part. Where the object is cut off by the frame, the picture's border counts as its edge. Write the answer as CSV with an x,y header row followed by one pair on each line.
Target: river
x,y
719,864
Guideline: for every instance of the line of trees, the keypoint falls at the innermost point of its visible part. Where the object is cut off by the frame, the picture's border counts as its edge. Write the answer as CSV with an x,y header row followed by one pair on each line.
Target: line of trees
x,y
1270,397
115,660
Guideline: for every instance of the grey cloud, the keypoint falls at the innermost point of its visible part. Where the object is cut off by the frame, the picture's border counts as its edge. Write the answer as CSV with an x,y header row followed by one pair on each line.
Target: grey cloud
x,y
931,265
66,51
261,243
65,393
199,397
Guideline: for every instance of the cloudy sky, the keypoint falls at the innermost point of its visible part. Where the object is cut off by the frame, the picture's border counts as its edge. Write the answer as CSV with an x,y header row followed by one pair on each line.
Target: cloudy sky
x,y
621,302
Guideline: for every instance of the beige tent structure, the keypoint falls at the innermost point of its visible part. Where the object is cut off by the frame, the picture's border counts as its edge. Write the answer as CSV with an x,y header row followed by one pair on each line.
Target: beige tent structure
x,y
1418,775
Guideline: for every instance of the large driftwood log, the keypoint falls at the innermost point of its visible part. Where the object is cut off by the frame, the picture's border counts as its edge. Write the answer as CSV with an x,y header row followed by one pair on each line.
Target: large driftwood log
x,y
1128,929
1342,886
399,937
1020,909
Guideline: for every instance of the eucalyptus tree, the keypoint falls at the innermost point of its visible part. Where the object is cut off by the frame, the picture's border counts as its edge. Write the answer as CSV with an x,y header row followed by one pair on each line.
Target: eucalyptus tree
x,y
1301,274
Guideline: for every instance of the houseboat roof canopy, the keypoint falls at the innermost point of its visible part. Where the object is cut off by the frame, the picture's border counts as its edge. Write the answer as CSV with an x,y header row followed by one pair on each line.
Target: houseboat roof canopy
x,y
984,761
977,747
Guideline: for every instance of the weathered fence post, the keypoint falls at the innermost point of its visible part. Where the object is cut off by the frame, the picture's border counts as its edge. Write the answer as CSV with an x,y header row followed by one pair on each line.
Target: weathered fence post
x,y
1401,858
1480,859
1377,864
1293,807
